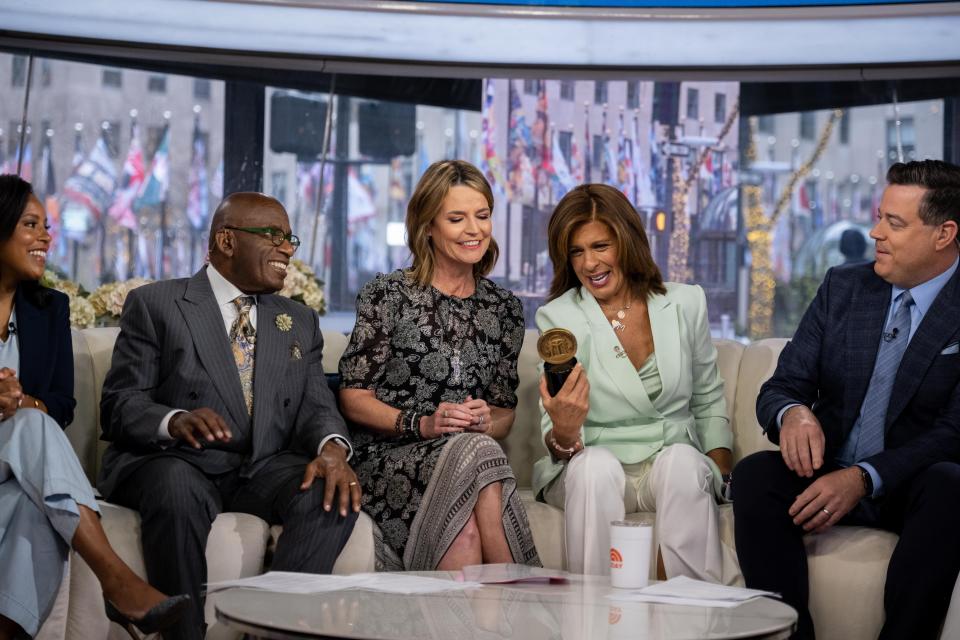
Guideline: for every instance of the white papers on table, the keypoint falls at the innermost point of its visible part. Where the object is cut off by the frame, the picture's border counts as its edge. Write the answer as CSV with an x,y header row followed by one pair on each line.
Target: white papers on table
x,y
507,573
288,582
687,591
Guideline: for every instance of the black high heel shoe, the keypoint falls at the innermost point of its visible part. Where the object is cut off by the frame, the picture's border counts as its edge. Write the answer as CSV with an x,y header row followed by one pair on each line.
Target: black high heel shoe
x,y
161,616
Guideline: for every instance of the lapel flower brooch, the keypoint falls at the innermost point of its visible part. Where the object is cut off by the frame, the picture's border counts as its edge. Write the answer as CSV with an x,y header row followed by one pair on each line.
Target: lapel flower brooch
x,y
284,322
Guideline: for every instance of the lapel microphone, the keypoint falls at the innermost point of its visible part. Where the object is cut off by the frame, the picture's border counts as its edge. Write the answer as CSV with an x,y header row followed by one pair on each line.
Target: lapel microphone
x,y
12,328
891,336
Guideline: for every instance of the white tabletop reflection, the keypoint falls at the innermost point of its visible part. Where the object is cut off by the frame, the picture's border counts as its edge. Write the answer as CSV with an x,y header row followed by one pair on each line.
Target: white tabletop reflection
x,y
574,611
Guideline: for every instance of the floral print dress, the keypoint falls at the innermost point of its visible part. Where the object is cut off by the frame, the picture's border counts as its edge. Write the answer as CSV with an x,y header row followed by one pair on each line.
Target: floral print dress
x,y
415,348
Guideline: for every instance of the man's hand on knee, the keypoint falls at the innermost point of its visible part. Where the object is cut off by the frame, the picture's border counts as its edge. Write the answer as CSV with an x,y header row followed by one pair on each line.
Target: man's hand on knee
x,y
201,424
801,441
332,466
828,499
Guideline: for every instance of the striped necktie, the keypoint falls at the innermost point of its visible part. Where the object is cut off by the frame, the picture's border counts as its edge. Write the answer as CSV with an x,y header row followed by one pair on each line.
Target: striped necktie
x,y
873,413
243,338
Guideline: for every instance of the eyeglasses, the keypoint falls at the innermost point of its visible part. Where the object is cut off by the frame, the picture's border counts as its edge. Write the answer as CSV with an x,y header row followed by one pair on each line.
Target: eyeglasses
x,y
275,235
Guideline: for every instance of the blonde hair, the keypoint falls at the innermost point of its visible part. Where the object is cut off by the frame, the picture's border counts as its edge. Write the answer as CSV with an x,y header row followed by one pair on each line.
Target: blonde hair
x,y
426,204
602,203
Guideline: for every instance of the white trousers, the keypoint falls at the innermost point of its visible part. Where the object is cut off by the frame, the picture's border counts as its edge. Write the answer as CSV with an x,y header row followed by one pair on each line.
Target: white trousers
x,y
595,489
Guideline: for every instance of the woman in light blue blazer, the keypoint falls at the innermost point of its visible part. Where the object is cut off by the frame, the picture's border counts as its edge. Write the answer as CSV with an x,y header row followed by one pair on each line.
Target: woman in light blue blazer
x,y
46,504
641,423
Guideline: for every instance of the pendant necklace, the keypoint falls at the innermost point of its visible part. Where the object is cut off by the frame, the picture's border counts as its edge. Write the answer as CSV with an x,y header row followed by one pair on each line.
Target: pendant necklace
x,y
617,321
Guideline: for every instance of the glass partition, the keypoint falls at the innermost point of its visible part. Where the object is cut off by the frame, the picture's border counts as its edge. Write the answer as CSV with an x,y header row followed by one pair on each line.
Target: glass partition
x,y
129,164
751,191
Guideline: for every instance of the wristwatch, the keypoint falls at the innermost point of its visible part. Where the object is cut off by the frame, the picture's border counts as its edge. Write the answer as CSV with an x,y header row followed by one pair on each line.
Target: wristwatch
x,y
867,481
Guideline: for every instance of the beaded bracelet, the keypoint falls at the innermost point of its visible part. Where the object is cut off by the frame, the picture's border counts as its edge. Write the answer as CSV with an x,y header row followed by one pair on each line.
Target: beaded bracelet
x,y
569,452
413,426
398,424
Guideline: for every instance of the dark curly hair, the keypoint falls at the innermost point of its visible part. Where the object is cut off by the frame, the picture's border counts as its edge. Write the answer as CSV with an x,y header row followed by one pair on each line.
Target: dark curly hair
x,y
15,193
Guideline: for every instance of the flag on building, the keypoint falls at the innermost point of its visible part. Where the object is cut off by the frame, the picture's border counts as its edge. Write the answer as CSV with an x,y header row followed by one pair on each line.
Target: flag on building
x,y
641,179
654,172
153,192
518,149
706,175
198,197
608,160
576,161
308,181
563,181
78,152
490,163
216,185
93,181
423,158
46,189
542,142
587,151
624,161
131,181
4,169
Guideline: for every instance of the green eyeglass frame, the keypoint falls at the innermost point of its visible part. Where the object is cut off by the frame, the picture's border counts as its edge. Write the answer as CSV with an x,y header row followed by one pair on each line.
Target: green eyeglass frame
x,y
275,235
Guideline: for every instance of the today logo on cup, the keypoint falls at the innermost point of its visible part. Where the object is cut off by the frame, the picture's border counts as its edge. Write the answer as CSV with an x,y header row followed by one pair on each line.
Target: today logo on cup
x,y
631,544
616,558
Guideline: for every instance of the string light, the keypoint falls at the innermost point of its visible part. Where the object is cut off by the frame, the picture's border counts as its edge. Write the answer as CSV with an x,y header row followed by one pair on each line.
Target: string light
x,y
678,263
760,230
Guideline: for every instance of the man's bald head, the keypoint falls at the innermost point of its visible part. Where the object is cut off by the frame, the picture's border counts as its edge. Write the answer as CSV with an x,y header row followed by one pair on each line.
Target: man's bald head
x,y
234,210
241,248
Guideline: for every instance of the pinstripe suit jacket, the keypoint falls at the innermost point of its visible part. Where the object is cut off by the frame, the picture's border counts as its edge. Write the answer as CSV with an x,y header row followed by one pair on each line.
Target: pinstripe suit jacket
x,y
173,353
828,364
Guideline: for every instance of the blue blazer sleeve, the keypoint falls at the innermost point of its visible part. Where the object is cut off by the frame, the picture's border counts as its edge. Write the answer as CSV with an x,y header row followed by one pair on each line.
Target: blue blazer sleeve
x,y
796,379
46,353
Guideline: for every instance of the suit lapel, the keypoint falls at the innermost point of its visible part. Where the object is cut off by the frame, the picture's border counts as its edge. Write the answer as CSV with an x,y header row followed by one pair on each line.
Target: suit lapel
x,y
205,322
618,369
272,354
939,324
665,325
868,313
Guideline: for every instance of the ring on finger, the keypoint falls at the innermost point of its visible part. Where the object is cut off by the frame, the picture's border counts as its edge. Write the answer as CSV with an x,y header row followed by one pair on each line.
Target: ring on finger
x,y
353,484
481,420
445,413
825,511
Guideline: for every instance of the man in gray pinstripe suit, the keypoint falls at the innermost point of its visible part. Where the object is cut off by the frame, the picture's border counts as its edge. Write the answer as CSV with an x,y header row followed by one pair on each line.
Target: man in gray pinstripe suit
x,y
216,401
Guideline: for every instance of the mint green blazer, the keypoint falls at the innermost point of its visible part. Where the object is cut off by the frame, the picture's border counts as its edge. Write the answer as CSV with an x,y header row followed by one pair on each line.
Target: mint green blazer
x,y
691,408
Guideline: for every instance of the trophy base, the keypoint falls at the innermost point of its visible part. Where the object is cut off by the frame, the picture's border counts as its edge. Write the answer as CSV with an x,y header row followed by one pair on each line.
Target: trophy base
x,y
556,374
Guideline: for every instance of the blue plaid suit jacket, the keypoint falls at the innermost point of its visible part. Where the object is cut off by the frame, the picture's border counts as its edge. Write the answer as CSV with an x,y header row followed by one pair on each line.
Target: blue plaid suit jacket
x,y
828,364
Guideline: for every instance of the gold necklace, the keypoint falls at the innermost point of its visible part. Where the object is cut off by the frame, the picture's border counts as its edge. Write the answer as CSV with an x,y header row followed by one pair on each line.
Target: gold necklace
x,y
617,321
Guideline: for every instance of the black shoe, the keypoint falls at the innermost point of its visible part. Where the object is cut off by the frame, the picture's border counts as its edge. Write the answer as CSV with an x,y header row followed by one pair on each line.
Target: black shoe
x,y
163,614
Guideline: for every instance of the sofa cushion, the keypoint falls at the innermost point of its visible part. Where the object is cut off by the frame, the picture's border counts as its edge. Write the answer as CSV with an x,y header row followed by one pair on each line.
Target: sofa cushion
x,y
757,364
83,432
235,549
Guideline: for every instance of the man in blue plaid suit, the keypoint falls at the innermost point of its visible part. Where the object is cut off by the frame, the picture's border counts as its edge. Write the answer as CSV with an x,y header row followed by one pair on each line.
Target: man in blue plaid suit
x,y
865,405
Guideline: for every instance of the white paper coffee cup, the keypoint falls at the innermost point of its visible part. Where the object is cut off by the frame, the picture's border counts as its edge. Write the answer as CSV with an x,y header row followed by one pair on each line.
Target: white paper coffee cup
x,y
630,545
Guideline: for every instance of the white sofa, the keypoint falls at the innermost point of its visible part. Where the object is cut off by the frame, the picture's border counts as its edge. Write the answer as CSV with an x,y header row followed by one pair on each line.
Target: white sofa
x,y
847,564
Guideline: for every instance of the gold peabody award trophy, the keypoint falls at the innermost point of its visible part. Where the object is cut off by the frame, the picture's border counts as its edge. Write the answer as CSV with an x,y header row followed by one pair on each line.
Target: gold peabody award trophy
x,y
557,347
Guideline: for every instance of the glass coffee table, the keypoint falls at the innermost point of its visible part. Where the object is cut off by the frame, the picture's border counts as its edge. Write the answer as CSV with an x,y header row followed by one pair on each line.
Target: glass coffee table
x,y
578,610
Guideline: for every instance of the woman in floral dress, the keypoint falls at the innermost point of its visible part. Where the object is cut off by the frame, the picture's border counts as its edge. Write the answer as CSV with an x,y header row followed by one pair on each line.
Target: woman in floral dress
x,y
429,382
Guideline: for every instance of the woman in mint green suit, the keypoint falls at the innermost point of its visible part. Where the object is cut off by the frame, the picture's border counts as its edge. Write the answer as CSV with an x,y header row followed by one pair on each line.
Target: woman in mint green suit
x,y
641,423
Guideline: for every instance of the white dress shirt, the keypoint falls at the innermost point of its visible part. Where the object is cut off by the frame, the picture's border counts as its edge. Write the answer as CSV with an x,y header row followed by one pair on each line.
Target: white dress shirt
x,y
225,292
